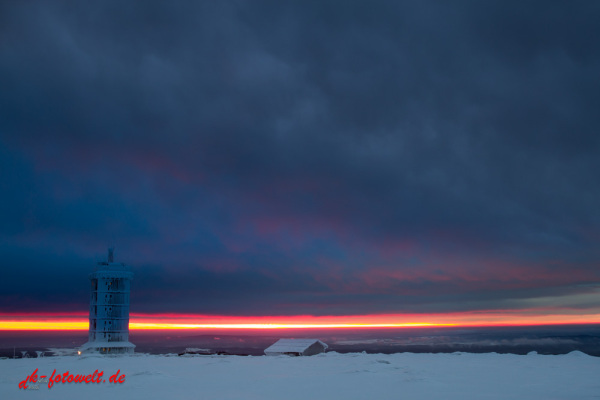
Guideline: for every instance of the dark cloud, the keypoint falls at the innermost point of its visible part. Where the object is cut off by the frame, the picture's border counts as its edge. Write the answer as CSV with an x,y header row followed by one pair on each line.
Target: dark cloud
x,y
277,157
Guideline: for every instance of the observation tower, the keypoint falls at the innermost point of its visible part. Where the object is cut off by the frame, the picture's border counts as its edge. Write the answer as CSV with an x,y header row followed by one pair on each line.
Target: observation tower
x,y
109,308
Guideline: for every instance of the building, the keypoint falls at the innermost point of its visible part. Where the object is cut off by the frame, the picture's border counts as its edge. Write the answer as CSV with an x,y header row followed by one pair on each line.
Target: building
x,y
296,347
109,308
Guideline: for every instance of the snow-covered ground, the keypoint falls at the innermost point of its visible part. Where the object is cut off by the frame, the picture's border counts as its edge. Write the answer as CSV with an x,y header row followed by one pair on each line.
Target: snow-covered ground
x,y
325,376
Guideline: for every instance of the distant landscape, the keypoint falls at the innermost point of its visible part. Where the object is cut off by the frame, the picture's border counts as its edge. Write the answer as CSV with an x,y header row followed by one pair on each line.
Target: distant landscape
x,y
514,340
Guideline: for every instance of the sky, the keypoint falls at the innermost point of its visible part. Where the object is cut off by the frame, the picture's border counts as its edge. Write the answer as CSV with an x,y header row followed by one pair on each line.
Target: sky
x,y
280,158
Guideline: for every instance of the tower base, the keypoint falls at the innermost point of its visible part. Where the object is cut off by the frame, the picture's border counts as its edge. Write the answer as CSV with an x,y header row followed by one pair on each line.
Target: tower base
x,y
108,347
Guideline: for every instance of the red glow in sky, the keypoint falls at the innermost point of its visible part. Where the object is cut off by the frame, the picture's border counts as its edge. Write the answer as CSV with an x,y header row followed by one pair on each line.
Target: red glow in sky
x,y
78,321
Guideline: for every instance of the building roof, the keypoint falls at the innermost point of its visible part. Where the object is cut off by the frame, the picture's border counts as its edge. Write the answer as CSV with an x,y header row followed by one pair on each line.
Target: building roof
x,y
292,345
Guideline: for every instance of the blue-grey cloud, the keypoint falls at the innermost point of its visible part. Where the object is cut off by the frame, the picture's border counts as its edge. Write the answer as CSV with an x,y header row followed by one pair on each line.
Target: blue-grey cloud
x,y
284,157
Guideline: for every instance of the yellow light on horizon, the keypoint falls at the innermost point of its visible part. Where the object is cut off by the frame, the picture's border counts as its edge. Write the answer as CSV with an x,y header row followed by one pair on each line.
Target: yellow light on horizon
x,y
190,322
43,325
144,325
74,325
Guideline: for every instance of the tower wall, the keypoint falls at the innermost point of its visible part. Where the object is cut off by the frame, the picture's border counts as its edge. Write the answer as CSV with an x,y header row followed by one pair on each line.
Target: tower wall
x,y
109,309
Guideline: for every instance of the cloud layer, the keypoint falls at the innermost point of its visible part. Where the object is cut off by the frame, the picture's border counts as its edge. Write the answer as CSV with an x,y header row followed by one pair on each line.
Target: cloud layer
x,y
282,158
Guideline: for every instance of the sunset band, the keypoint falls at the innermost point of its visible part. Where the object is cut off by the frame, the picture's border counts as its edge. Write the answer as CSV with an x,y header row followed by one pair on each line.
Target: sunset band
x,y
183,322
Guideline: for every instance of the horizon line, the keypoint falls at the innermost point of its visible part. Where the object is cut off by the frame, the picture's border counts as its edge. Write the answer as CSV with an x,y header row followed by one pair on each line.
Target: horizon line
x,y
72,321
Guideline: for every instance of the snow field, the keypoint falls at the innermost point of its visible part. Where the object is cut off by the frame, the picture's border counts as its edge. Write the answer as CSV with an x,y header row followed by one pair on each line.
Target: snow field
x,y
324,376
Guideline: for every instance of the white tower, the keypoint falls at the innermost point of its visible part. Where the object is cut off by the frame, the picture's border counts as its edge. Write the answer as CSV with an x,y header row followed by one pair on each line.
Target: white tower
x,y
109,308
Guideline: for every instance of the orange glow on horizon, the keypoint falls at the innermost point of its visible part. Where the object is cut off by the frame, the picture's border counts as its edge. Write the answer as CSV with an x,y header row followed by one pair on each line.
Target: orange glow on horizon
x,y
78,321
